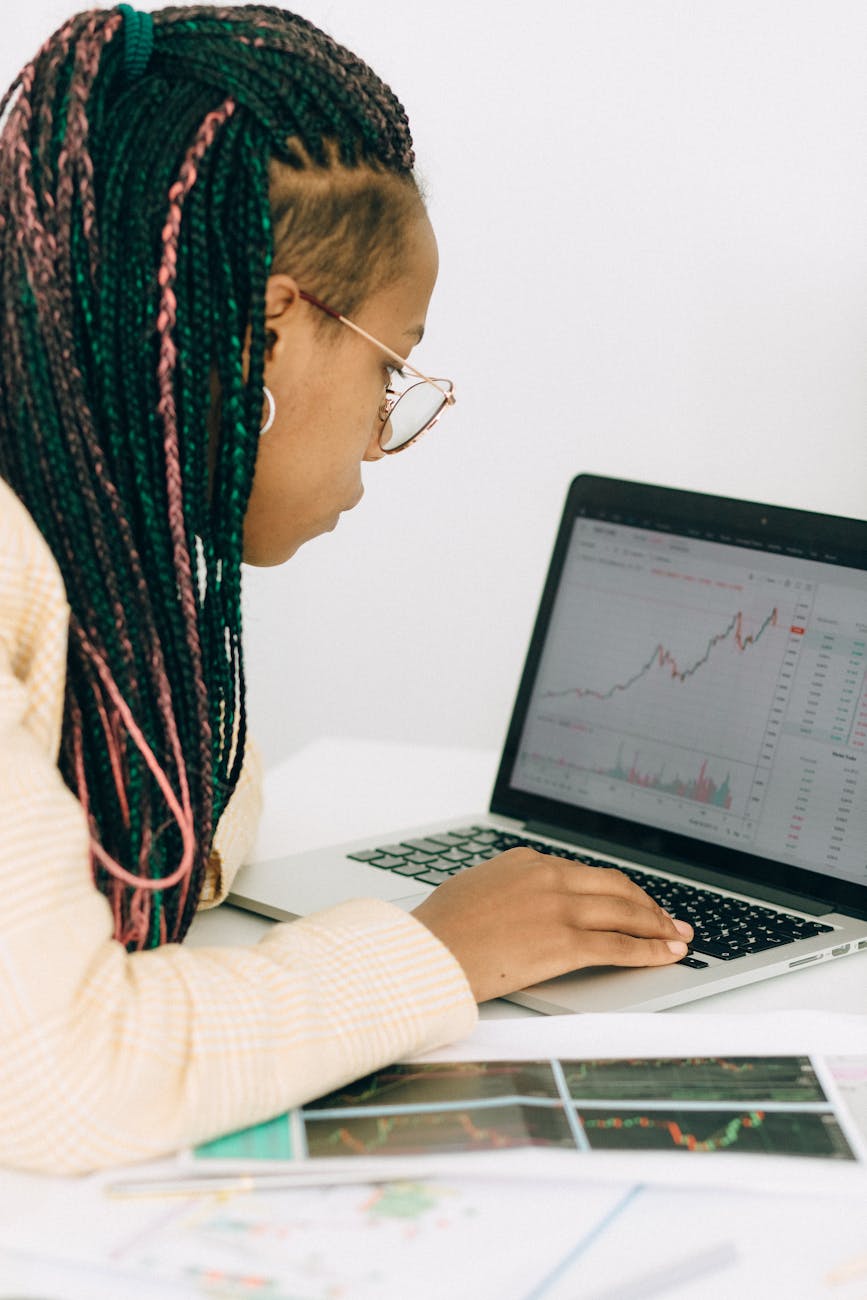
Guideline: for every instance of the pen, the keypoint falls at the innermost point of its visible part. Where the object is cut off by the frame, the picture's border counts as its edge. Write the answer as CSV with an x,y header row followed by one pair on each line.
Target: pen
x,y
223,1184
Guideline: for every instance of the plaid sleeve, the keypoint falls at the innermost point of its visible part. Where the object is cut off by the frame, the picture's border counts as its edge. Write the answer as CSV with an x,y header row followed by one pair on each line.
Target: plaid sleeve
x,y
110,1057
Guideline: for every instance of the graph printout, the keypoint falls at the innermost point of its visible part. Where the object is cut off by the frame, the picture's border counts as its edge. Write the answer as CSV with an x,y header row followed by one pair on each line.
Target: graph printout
x,y
688,1106
709,690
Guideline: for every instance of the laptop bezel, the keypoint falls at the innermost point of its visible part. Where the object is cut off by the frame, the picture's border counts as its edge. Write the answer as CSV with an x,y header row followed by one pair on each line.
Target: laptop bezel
x,y
778,529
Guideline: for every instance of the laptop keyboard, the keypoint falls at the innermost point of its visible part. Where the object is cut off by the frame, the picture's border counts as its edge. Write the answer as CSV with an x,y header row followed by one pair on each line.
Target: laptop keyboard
x,y
724,927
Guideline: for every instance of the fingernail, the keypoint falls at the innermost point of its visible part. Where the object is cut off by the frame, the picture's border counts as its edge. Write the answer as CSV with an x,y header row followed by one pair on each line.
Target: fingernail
x,y
679,949
683,927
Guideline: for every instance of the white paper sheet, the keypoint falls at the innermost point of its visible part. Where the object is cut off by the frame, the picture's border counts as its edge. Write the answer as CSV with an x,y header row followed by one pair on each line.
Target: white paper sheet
x,y
601,1231
465,1239
724,1116
637,1034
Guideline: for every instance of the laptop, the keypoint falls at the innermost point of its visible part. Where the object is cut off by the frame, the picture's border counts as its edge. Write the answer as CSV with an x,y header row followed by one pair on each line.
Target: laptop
x,y
693,711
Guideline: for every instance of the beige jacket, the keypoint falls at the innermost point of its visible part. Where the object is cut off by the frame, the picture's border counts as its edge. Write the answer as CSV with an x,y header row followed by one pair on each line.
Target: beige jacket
x,y
107,1057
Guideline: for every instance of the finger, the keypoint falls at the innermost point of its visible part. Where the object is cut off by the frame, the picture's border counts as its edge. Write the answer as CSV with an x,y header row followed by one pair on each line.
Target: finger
x,y
616,949
601,880
575,875
609,881
603,913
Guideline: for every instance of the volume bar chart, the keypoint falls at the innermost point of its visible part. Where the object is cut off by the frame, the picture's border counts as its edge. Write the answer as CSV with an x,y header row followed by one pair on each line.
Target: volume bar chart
x,y
700,788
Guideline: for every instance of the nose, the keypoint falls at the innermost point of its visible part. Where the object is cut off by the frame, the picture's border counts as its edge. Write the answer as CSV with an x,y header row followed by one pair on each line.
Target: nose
x,y
374,450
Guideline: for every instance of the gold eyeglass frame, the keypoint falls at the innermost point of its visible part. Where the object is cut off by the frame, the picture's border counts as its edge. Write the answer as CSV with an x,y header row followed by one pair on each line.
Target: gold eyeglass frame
x,y
444,387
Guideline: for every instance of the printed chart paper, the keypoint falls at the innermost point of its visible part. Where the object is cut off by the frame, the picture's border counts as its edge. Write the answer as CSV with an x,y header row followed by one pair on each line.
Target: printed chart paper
x,y
733,1115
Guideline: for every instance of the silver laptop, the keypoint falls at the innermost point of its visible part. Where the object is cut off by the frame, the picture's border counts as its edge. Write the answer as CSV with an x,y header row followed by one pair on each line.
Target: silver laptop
x,y
693,710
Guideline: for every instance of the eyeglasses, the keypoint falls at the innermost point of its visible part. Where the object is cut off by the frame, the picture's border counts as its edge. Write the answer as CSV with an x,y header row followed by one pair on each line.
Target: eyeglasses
x,y
408,412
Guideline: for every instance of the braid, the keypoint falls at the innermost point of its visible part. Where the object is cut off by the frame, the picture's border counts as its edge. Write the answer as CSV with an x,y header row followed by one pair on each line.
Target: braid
x,y
140,219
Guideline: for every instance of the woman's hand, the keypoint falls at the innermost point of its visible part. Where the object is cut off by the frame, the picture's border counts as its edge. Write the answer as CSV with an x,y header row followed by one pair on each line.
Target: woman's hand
x,y
526,916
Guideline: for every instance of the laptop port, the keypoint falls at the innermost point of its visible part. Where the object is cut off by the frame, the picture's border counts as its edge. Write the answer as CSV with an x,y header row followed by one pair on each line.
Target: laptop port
x,y
838,952
862,943
802,961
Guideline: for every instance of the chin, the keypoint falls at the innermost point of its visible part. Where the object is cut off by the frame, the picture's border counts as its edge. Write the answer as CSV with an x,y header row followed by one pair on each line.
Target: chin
x,y
268,561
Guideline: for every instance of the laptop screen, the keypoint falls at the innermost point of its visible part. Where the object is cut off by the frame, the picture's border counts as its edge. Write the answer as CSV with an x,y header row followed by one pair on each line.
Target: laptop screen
x,y
704,681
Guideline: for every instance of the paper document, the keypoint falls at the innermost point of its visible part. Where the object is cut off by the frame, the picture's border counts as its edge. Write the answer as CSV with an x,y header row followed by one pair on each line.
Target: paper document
x,y
467,1239
587,1230
759,1101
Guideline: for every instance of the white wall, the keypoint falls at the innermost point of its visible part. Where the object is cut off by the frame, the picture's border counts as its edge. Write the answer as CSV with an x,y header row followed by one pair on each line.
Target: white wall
x,y
653,228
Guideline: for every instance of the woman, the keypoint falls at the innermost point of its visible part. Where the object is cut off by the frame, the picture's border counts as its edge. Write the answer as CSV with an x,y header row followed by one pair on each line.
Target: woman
x,y
214,262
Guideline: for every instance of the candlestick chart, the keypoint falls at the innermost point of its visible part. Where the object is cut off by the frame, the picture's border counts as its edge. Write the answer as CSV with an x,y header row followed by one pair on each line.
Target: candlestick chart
x,y
661,687
663,659
772,1105
752,1132
463,1081
697,1078
488,1128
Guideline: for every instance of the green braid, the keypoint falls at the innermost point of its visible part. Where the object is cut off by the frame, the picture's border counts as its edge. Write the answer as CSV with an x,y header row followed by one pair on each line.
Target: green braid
x,y
143,207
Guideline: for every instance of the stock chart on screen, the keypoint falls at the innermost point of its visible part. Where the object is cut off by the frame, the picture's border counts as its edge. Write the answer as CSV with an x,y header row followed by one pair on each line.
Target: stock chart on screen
x,y
706,689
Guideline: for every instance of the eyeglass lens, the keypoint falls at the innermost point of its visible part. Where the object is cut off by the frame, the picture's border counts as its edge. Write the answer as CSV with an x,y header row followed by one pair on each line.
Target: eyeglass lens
x,y
414,410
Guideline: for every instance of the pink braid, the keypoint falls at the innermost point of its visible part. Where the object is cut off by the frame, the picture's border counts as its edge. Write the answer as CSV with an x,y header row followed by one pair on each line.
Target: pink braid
x,y
182,815
116,897
112,741
166,405
88,55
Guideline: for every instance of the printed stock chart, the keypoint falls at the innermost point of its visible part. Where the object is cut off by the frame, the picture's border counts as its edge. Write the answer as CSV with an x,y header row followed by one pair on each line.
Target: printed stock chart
x,y
759,1105
706,689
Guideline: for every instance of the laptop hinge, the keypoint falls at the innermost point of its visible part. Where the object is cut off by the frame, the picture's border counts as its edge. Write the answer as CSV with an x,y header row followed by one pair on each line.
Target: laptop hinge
x,y
722,880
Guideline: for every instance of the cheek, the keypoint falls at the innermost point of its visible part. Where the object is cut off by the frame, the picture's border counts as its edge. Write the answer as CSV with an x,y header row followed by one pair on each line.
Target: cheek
x,y
356,423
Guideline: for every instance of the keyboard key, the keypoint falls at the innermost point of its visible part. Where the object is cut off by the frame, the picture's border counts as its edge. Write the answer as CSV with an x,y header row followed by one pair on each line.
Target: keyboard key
x,y
694,962
430,844
715,950
806,929
387,862
724,927
434,877
727,949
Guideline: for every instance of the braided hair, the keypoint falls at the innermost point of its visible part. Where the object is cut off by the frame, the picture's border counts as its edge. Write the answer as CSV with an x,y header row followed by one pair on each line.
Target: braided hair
x,y
145,198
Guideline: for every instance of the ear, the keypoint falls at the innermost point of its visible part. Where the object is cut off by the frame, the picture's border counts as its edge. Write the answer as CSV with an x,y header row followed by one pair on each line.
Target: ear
x,y
282,302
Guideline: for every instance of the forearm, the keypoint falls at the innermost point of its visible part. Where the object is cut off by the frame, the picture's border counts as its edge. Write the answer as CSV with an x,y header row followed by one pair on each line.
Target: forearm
x,y
110,1057
161,1049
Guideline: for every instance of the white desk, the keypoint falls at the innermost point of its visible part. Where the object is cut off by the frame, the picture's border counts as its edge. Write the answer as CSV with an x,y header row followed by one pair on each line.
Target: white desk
x,y
341,789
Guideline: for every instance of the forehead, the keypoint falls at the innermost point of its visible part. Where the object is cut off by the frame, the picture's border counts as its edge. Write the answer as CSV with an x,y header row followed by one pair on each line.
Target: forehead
x,y
402,305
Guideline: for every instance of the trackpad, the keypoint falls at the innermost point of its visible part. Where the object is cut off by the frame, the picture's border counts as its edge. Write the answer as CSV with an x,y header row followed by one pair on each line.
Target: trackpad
x,y
410,903
298,886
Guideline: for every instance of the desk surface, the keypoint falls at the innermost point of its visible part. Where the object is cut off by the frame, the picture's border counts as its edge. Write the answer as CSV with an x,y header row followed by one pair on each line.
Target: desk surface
x,y
341,789
727,1242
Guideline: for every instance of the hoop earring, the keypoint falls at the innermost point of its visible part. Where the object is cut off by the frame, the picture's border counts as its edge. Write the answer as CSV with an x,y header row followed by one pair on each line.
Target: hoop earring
x,y
272,410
